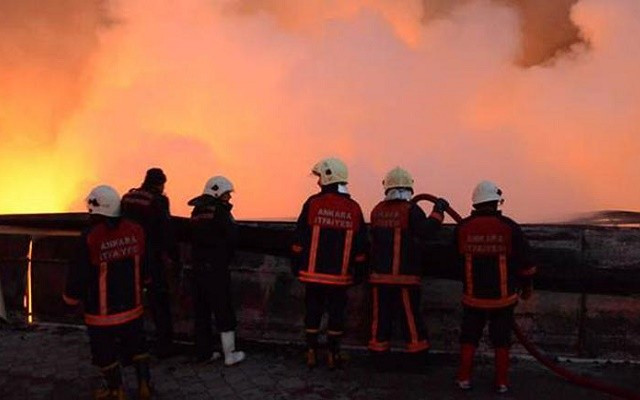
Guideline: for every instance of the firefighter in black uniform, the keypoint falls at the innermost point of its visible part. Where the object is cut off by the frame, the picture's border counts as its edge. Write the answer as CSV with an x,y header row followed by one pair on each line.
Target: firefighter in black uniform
x,y
398,227
329,251
148,206
107,277
496,269
213,239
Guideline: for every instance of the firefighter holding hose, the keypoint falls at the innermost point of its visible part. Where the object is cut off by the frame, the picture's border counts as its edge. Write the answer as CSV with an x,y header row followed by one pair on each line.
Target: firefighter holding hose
x,y
398,226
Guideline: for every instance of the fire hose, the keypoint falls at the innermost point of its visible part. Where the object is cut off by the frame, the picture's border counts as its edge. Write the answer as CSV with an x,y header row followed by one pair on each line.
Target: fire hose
x,y
572,377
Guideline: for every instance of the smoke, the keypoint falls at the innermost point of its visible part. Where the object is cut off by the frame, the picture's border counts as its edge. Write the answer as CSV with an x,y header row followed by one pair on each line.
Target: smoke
x,y
545,26
46,49
539,96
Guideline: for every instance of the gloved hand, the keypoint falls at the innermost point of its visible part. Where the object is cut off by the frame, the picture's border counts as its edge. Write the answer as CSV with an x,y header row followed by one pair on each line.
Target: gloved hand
x,y
440,205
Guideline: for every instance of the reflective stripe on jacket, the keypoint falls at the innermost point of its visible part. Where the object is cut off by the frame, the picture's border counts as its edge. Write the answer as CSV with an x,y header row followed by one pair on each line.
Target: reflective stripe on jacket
x,y
494,259
397,227
109,273
330,237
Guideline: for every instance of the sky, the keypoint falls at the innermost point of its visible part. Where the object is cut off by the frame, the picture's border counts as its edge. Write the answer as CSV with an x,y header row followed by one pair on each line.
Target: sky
x,y
541,97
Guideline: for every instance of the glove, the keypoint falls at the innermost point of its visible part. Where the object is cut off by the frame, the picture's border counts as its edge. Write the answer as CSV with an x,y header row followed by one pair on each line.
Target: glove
x,y
440,205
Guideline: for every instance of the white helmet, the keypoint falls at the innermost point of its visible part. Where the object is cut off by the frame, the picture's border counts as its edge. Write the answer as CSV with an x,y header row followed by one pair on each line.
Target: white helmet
x,y
331,170
397,178
486,191
104,200
217,186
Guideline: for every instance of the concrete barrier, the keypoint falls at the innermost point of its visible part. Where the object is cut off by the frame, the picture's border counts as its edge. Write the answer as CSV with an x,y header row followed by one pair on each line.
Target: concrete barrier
x,y
586,304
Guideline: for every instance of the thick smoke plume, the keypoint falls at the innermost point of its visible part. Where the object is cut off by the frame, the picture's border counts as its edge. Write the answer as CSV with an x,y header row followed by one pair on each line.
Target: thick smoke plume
x,y
46,50
540,96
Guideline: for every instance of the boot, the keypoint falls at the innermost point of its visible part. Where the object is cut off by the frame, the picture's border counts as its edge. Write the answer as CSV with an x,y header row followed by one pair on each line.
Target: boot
x,y
231,356
467,352
312,358
108,394
113,380
502,369
334,359
143,374
312,349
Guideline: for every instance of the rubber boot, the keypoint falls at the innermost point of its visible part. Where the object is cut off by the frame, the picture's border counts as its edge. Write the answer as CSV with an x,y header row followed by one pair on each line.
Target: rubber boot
x,y
143,374
113,380
312,350
231,356
502,369
467,352
334,359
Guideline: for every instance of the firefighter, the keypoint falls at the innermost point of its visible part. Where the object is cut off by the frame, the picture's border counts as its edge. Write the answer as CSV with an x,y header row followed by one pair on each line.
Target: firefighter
x,y
107,276
329,251
148,206
213,238
494,257
398,226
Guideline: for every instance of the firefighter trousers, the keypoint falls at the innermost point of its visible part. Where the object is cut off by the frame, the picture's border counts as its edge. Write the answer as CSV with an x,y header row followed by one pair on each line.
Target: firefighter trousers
x,y
319,299
212,294
160,304
500,325
389,304
117,343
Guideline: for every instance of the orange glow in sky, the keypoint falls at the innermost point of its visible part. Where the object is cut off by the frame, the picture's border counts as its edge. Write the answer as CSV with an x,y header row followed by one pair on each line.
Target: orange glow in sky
x,y
260,90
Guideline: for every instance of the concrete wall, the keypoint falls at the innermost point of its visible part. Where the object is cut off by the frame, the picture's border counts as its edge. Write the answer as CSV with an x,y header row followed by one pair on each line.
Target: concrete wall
x,y
590,306
570,324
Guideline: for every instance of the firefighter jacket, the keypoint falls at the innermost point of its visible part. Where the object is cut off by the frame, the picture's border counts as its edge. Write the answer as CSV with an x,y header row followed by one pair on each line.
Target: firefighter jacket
x,y
397,229
330,239
213,232
151,210
494,256
108,273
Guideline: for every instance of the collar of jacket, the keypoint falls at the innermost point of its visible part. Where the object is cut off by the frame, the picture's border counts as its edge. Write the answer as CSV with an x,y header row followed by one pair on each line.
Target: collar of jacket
x,y
398,194
150,188
333,188
486,212
110,222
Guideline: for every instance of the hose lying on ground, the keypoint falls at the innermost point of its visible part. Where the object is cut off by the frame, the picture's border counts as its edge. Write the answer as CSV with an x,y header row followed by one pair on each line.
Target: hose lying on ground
x,y
572,377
